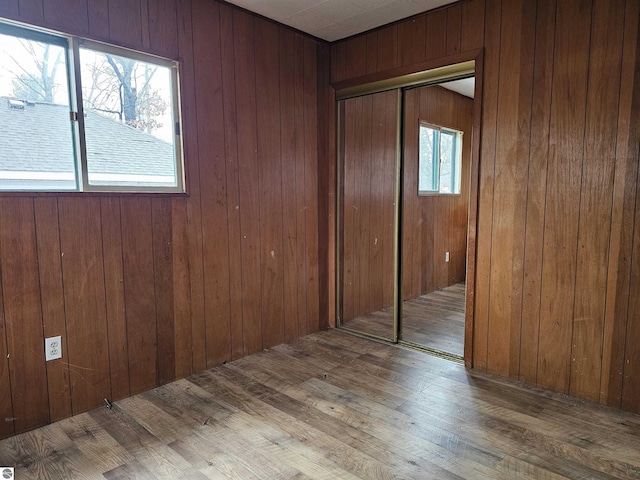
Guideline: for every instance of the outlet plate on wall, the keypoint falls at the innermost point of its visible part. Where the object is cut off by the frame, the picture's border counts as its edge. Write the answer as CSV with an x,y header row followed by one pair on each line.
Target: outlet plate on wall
x,y
52,348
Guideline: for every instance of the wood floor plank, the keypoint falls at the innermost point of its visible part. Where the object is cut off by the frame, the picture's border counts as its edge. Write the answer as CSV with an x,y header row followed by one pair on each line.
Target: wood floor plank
x,y
334,405
426,320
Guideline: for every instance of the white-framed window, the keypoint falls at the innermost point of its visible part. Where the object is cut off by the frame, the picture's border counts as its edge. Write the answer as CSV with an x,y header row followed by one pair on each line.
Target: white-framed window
x,y
440,160
78,115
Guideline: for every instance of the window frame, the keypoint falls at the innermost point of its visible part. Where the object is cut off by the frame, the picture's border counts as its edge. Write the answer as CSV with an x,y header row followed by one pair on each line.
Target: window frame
x,y
456,167
72,45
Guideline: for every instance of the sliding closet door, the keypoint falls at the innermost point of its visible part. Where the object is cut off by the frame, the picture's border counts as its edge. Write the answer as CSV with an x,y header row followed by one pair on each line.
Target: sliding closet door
x,y
368,178
435,204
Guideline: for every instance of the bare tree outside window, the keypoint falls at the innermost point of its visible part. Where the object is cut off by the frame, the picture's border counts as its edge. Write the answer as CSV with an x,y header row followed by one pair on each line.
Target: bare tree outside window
x,y
123,88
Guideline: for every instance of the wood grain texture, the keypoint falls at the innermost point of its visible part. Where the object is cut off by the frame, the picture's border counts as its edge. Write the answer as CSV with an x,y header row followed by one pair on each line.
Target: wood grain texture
x,y
623,215
368,178
149,289
98,16
566,134
23,314
84,297
336,406
232,177
139,293
509,203
434,224
125,22
53,307
605,56
163,281
270,173
244,49
212,177
68,14
163,27
536,189
114,297
554,283
194,205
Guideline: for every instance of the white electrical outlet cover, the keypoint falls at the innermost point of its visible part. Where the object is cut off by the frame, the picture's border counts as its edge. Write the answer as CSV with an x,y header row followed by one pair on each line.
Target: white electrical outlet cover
x,y
52,348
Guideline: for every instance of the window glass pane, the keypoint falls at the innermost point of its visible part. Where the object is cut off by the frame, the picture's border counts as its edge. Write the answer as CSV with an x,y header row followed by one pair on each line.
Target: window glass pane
x,y
36,133
447,161
128,121
428,168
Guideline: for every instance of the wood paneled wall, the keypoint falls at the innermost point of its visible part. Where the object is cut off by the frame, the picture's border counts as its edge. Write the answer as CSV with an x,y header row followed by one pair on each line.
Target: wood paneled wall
x,y
434,224
368,212
558,235
147,289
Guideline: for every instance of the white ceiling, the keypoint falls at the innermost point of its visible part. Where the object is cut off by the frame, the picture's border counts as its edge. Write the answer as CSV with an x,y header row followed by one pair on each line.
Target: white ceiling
x,y
336,19
465,87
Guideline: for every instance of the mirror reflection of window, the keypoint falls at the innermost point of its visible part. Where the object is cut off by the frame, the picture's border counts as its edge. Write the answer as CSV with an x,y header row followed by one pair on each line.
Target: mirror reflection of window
x,y
440,165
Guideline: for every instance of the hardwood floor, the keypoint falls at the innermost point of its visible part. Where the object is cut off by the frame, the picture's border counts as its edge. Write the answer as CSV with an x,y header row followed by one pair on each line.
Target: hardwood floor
x,y
333,405
434,320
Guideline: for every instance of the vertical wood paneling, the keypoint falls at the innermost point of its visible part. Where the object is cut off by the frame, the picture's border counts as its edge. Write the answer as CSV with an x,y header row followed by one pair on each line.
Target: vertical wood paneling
x,y
98,17
71,15
387,48
564,178
139,293
125,22
356,56
351,154
536,188
52,300
244,40
412,40
312,238
631,373
630,388
372,52
270,174
491,70
434,224
595,196
181,289
509,203
163,27
212,180
454,31
558,174
149,289
362,284
376,279
623,214
436,36
163,284
340,54
192,163
31,9
9,8
289,205
22,314
114,296
232,178
410,204
300,131
389,193
369,175
472,25
84,298
7,428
